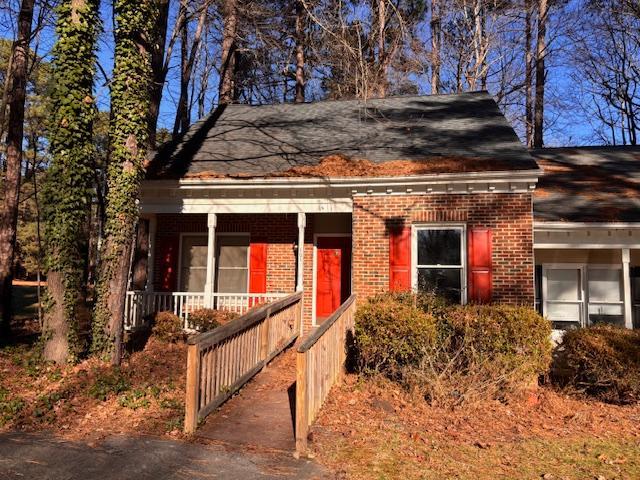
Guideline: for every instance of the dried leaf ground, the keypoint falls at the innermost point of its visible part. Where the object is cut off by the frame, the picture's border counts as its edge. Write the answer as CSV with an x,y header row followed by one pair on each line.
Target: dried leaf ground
x,y
144,396
372,429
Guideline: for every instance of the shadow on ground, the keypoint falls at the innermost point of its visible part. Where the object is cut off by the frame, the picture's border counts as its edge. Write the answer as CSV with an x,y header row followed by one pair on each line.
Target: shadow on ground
x,y
47,457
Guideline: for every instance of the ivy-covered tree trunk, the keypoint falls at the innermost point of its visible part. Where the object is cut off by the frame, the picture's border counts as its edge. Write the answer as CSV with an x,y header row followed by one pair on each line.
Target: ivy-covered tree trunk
x,y
128,133
11,185
68,188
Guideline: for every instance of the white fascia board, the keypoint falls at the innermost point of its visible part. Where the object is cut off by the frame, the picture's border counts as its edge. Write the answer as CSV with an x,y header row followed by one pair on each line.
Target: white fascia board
x,y
528,176
248,205
569,226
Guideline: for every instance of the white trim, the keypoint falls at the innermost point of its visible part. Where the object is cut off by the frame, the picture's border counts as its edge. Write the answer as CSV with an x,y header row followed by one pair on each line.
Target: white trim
x,y
553,226
302,223
270,182
415,227
314,269
626,285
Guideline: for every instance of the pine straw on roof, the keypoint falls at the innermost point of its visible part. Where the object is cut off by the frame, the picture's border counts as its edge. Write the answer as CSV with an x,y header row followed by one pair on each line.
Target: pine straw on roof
x,y
343,166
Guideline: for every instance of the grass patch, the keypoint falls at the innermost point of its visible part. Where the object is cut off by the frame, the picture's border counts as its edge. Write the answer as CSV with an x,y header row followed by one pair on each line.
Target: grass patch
x,y
390,455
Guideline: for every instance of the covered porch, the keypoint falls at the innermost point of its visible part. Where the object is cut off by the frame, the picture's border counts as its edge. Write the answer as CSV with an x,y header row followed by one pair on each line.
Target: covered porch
x,y
588,273
237,261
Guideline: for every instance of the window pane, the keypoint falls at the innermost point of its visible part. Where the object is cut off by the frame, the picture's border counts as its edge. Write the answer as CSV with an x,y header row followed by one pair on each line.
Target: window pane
x,y
563,284
605,285
194,251
564,312
442,281
193,279
232,281
233,256
439,247
233,250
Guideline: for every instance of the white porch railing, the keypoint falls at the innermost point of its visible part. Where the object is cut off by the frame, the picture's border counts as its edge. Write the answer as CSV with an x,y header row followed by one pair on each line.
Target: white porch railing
x,y
139,304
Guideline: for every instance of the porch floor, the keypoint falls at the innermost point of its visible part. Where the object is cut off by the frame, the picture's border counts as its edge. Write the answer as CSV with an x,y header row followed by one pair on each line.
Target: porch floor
x,y
262,414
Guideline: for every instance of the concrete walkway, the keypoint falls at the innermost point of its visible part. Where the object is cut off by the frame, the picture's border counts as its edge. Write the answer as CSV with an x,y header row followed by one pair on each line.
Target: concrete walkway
x,y
262,415
44,457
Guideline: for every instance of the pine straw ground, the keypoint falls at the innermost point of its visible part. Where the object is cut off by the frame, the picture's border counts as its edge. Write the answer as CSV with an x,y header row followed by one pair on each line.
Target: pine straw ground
x,y
372,429
92,400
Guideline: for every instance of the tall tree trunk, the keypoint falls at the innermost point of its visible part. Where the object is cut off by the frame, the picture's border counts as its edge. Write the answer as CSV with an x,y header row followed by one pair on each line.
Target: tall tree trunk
x,y
300,23
228,65
128,133
383,65
541,52
187,62
528,73
435,46
140,256
68,188
11,183
159,36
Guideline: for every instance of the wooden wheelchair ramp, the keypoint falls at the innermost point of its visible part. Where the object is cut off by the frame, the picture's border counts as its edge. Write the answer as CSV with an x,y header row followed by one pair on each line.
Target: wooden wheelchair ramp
x,y
280,389
262,415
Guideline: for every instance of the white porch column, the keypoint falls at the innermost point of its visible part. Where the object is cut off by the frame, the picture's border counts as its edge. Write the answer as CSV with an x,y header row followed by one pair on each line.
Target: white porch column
x,y
151,254
626,283
302,222
212,221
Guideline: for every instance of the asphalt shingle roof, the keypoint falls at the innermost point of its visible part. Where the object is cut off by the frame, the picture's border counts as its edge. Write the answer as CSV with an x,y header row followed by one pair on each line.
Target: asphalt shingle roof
x,y
239,140
588,184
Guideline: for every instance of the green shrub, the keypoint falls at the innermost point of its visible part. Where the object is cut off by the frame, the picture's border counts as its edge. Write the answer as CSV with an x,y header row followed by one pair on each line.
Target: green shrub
x,y
167,327
602,361
207,319
391,334
452,354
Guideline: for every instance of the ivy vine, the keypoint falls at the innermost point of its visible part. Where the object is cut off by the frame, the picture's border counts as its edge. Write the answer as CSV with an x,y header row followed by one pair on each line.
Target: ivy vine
x,y
130,100
68,189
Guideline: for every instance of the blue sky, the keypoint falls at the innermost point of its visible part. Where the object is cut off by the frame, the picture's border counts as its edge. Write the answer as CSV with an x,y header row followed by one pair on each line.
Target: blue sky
x,y
568,125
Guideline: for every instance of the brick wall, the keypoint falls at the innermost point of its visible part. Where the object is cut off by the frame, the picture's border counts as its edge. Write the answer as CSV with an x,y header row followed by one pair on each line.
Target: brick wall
x,y
509,215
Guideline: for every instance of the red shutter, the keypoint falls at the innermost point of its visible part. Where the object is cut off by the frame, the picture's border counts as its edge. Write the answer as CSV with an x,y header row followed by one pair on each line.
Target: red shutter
x,y
400,259
258,267
167,254
480,265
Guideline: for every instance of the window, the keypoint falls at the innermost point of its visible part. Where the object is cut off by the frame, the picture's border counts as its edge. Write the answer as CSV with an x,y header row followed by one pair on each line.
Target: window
x,y
578,295
232,263
606,299
193,263
440,261
563,299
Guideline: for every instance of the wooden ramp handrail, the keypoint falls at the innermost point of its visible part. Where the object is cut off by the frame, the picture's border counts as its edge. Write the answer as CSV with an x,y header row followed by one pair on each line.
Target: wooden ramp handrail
x,y
221,361
320,364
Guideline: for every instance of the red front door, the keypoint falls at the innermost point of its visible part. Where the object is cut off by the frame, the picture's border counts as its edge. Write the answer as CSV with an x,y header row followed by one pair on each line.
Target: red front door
x,y
333,277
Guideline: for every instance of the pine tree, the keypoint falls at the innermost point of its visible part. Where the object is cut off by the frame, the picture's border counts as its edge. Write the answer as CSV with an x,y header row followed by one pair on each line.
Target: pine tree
x,y
128,133
68,189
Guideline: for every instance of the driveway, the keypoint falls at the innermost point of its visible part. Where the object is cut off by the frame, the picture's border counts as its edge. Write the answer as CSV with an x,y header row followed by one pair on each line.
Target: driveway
x,y
42,456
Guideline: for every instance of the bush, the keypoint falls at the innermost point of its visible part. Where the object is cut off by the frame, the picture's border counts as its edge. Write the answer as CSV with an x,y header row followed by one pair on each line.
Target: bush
x,y
167,327
391,334
452,354
602,361
207,319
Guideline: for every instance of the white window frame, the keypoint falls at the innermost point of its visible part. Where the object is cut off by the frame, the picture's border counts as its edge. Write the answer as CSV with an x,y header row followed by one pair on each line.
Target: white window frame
x,y
217,263
181,287
462,227
218,235
584,286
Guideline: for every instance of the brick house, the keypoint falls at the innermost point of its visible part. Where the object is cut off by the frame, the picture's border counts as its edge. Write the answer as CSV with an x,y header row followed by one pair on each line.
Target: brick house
x,y
340,197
